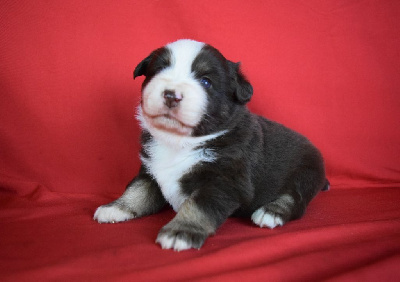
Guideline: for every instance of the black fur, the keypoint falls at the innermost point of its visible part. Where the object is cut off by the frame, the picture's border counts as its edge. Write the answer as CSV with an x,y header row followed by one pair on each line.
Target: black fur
x,y
259,164
153,64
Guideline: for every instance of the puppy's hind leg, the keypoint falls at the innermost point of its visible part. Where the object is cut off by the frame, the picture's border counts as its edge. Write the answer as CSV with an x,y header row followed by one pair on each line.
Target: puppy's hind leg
x,y
292,202
275,213
141,197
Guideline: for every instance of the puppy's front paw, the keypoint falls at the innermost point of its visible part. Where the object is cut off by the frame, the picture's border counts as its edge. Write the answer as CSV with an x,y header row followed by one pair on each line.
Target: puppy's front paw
x,y
181,238
264,218
111,213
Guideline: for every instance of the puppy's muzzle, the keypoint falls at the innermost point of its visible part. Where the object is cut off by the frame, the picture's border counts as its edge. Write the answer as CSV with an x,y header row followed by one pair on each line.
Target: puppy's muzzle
x,y
171,99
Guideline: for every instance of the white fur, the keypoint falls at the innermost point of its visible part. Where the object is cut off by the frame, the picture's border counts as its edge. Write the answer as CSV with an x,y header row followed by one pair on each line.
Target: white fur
x,y
173,150
170,159
171,139
168,242
133,195
179,78
111,214
266,219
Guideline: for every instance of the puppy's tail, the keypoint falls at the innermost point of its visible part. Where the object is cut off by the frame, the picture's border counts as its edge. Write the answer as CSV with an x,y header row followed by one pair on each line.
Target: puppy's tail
x,y
327,185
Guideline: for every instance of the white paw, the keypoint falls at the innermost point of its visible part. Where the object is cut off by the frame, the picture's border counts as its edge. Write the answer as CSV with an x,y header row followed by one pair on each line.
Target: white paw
x,y
172,242
266,219
111,214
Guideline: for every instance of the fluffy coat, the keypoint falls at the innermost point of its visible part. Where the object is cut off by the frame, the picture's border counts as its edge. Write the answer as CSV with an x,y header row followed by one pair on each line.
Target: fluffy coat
x,y
206,155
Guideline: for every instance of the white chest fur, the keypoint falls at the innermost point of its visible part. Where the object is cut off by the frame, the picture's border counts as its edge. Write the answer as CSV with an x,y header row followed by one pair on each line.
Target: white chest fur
x,y
167,164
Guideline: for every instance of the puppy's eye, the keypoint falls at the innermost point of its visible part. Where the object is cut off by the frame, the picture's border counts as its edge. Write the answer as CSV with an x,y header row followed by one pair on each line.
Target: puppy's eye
x,y
205,82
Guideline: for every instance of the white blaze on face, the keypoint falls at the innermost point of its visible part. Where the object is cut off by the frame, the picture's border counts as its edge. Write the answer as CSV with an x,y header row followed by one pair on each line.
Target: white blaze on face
x,y
173,151
178,77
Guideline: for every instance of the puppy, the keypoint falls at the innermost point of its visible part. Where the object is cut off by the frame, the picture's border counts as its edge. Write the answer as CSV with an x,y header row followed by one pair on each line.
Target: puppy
x,y
207,156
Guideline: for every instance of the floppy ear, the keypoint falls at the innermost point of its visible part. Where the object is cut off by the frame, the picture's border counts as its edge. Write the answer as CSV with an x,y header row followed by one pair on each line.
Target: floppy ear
x,y
241,87
141,68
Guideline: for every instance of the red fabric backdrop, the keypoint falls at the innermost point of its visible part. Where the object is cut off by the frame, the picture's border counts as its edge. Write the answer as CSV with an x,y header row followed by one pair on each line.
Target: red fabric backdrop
x,y
69,138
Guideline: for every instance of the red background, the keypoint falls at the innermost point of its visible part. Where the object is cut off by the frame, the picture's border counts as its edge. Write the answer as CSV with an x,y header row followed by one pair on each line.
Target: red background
x,y
69,138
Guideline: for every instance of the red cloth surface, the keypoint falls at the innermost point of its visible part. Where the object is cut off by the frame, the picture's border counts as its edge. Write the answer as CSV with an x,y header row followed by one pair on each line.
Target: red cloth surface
x,y
69,140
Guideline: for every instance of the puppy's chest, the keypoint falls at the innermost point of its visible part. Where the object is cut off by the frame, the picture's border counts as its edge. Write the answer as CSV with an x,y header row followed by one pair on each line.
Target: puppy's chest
x,y
168,164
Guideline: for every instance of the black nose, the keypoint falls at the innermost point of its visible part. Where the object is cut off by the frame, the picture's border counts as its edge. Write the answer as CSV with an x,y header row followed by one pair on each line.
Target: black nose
x,y
171,100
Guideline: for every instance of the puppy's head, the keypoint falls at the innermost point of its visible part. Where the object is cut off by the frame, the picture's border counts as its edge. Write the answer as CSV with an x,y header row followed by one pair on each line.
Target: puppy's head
x,y
190,89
